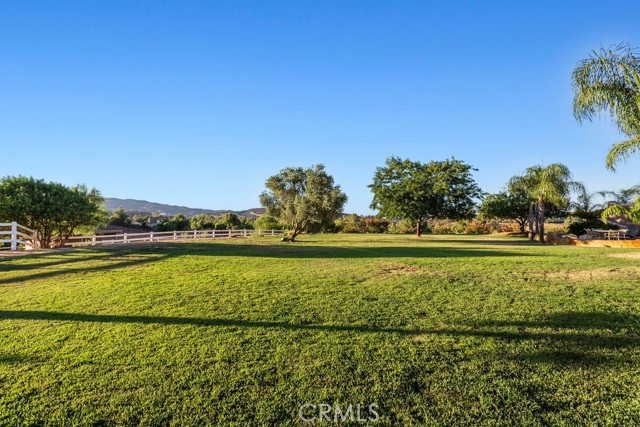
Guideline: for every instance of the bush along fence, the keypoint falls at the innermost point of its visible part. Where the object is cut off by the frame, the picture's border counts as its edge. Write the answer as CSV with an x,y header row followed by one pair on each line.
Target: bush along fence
x,y
24,238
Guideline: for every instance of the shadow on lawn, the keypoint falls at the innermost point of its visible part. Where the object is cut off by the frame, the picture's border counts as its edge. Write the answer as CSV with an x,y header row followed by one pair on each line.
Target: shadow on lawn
x,y
104,259
302,250
562,340
105,262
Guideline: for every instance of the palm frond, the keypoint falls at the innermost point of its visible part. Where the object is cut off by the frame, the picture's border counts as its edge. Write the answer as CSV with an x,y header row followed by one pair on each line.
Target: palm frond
x,y
622,151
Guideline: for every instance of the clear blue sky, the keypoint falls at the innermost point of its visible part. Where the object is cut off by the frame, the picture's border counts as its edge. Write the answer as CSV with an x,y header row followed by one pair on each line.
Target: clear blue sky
x,y
197,103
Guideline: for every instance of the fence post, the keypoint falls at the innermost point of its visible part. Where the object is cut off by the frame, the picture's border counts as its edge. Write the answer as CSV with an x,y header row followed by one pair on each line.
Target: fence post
x,y
93,240
151,236
175,235
125,238
14,236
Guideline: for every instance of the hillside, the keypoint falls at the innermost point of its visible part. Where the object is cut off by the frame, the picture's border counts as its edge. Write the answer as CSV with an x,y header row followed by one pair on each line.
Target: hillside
x,y
133,205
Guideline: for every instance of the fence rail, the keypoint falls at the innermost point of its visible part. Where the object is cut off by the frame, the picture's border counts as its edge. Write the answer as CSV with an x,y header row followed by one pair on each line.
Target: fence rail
x,y
157,236
21,237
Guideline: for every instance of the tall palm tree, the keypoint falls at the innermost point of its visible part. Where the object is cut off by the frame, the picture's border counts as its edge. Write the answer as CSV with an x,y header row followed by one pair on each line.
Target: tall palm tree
x,y
544,185
609,79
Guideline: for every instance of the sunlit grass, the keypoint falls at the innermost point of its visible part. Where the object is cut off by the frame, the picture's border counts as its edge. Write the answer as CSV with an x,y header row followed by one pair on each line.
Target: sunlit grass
x,y
441,330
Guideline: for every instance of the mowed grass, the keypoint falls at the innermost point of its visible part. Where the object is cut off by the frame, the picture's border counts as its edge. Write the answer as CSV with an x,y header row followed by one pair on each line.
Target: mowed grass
x,y
435,331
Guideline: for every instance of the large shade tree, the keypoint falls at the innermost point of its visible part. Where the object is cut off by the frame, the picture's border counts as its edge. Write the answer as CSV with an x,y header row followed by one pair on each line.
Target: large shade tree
x,y
54,210
545,185
609,80
417,191
303,197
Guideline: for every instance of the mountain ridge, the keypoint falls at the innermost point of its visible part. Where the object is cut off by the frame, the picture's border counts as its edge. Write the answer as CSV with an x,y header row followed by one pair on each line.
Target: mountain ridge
x,y
145,206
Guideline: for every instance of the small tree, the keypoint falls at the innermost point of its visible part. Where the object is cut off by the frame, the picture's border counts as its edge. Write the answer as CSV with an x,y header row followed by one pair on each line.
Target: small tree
x,y
178,222
52,209
302,197
506,206
119,218
267,222
417,191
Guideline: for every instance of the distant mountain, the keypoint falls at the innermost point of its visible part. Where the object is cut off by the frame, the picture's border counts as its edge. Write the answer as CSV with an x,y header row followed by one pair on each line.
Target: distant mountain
x,y
140,206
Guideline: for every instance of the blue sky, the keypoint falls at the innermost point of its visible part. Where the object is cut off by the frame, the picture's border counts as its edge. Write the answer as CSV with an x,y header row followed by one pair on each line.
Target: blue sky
x,y
197,103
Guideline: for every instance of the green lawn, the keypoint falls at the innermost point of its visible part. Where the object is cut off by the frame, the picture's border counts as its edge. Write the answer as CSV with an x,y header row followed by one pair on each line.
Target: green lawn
x,y
438,331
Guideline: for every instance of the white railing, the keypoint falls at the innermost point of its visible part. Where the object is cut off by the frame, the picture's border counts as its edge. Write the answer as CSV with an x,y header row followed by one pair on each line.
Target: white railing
x,y
20,237
157,236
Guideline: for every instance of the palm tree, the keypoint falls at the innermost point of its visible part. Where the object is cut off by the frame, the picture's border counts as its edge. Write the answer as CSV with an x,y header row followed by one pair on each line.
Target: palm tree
x,y
584,206
624,196
544,185
609,79
622,204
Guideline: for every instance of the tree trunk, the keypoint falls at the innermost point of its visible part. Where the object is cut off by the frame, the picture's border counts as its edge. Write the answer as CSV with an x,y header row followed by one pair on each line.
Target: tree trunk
x,y
541,219
294,234
530,219
522,225
419,227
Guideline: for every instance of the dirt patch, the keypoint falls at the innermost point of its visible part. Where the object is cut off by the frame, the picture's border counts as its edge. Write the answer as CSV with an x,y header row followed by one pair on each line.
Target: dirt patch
x,y
397,269
633,255
595,274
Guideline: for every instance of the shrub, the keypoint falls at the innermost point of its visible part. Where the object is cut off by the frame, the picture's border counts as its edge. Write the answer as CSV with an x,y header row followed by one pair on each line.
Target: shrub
x,y
443,226
372,224
349,224
405,226
475,226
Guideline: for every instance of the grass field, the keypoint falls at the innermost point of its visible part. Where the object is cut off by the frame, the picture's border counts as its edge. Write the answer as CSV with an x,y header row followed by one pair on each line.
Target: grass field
x,y
438,331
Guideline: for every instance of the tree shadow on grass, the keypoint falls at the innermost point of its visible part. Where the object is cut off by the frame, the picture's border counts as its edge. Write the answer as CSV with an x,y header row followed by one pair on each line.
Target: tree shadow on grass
x,y
295,251
107,263
16,358
113,258
566,344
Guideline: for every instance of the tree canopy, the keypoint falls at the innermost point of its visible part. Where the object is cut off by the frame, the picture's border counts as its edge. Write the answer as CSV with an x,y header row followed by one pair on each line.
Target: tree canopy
x,y
303,197
52,209
506,205
416,191
609,80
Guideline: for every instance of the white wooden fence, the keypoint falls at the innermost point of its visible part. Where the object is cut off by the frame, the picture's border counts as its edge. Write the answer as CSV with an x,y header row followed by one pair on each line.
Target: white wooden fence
x,y
157,236
21,237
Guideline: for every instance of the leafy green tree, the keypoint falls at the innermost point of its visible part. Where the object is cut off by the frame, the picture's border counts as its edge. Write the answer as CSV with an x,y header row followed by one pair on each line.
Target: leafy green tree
x,y
229,221
178,222
52,209
267,222
303,197
609,80
120,218
417,191
505,205
203,222
545,185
